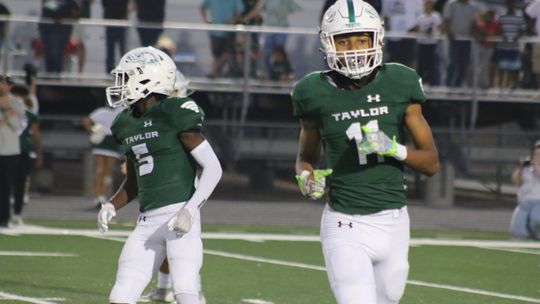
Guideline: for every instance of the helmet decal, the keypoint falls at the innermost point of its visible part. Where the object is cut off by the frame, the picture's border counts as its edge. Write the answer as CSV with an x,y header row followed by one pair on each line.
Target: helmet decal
x,y
350,6
352,17
141,72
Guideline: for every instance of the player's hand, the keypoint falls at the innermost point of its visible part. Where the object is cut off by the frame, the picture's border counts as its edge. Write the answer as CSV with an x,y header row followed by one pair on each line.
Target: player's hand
x,y
181,223
313,184
106,213
97,135
379,143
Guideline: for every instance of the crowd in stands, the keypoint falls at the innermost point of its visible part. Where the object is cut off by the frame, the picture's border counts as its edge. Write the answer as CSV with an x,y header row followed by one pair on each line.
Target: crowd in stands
x,y
449,42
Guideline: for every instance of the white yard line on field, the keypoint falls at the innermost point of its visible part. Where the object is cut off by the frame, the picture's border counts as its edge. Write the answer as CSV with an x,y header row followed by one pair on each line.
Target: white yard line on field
x,y
475,291
31,229
10,296
256,301
524,251
518,247
36,254
262,260
411,282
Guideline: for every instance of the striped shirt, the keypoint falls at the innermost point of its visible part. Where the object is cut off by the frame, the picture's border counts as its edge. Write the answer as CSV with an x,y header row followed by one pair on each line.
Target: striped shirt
x,y
511,27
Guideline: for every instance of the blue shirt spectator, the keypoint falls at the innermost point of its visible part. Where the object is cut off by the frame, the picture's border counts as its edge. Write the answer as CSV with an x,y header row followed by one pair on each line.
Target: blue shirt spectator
x,y
222,12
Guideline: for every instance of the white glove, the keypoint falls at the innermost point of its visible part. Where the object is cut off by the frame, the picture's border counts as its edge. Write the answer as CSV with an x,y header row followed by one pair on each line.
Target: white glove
x,y
106,213
182,221
97,135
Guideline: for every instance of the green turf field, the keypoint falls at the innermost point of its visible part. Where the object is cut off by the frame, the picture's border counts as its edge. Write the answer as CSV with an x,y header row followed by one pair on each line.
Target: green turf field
x,y
250,265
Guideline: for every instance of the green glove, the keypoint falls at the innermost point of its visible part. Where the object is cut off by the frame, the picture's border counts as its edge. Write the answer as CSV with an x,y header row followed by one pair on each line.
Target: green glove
x,y
313,188
378,142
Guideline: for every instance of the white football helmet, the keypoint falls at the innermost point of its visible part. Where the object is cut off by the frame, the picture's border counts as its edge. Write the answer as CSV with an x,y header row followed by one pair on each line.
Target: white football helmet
x,y
180,85
141,71
352,16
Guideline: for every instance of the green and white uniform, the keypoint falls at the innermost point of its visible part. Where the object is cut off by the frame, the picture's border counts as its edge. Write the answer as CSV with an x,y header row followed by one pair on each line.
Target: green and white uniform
x,y
165,174
377,183
165,170
365,225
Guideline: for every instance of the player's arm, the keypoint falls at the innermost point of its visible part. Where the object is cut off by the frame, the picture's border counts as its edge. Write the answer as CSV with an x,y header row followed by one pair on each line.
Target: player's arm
x,y
312,182
309,146
128,190
423,157
126,193
202,152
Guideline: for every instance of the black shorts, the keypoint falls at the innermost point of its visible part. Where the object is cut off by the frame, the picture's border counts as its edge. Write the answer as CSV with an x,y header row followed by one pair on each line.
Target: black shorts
x,y
221,44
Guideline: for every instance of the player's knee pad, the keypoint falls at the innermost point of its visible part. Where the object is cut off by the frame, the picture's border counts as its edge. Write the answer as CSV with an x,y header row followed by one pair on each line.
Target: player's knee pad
x,y
392,288
128,287
350,274
355,294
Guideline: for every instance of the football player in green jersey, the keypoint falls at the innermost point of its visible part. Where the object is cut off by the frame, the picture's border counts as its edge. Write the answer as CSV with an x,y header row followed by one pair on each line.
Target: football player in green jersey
x,y
358,112
164,146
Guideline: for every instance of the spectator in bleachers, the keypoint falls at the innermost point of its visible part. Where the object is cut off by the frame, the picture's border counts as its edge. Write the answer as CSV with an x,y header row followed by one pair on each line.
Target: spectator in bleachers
x,y
486,27
276,13
427,56
252,15
533,11
525,221
150,11
459,17
511,26
222,43
115,36
85,8
280,68
400,17
11,126
56,36
4,11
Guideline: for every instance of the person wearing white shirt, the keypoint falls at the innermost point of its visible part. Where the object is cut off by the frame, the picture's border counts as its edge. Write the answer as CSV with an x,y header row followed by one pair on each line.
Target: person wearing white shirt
x,y
11,126
428,25
525,221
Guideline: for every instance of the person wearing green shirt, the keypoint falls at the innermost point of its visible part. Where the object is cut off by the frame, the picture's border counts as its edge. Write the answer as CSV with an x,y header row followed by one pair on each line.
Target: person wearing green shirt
x,y
164,146
358,113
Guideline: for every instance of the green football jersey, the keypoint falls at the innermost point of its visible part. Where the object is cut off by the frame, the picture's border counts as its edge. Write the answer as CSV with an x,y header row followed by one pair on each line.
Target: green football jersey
x,y
165,170
26,139
360,184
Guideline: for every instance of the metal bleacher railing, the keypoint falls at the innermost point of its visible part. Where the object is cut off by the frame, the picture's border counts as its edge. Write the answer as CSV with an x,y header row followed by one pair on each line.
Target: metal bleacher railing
x,y
474,157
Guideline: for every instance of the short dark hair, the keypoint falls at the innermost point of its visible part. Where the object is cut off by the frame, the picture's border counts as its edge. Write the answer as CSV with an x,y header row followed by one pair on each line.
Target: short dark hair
x,y
20,90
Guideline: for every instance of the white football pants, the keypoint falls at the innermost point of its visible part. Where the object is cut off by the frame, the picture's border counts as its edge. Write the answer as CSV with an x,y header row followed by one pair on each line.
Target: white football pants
x,y
366,256
145,250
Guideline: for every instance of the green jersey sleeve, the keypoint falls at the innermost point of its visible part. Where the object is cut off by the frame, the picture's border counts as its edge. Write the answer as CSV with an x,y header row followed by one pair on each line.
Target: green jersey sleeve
x,y
302,96
184,114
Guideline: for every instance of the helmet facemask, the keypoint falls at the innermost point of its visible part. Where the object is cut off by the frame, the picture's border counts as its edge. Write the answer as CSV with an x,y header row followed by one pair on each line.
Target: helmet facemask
x,y
141,72
352,17
354,64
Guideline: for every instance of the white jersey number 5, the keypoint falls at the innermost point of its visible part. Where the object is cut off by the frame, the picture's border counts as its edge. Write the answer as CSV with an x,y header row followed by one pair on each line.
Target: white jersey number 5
x,y
146,163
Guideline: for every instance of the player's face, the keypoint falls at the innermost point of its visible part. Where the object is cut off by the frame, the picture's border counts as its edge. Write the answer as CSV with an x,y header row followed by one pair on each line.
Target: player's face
x,y
353,42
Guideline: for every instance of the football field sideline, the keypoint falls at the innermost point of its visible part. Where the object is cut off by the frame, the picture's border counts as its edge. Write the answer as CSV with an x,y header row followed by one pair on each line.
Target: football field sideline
x,y
120,235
